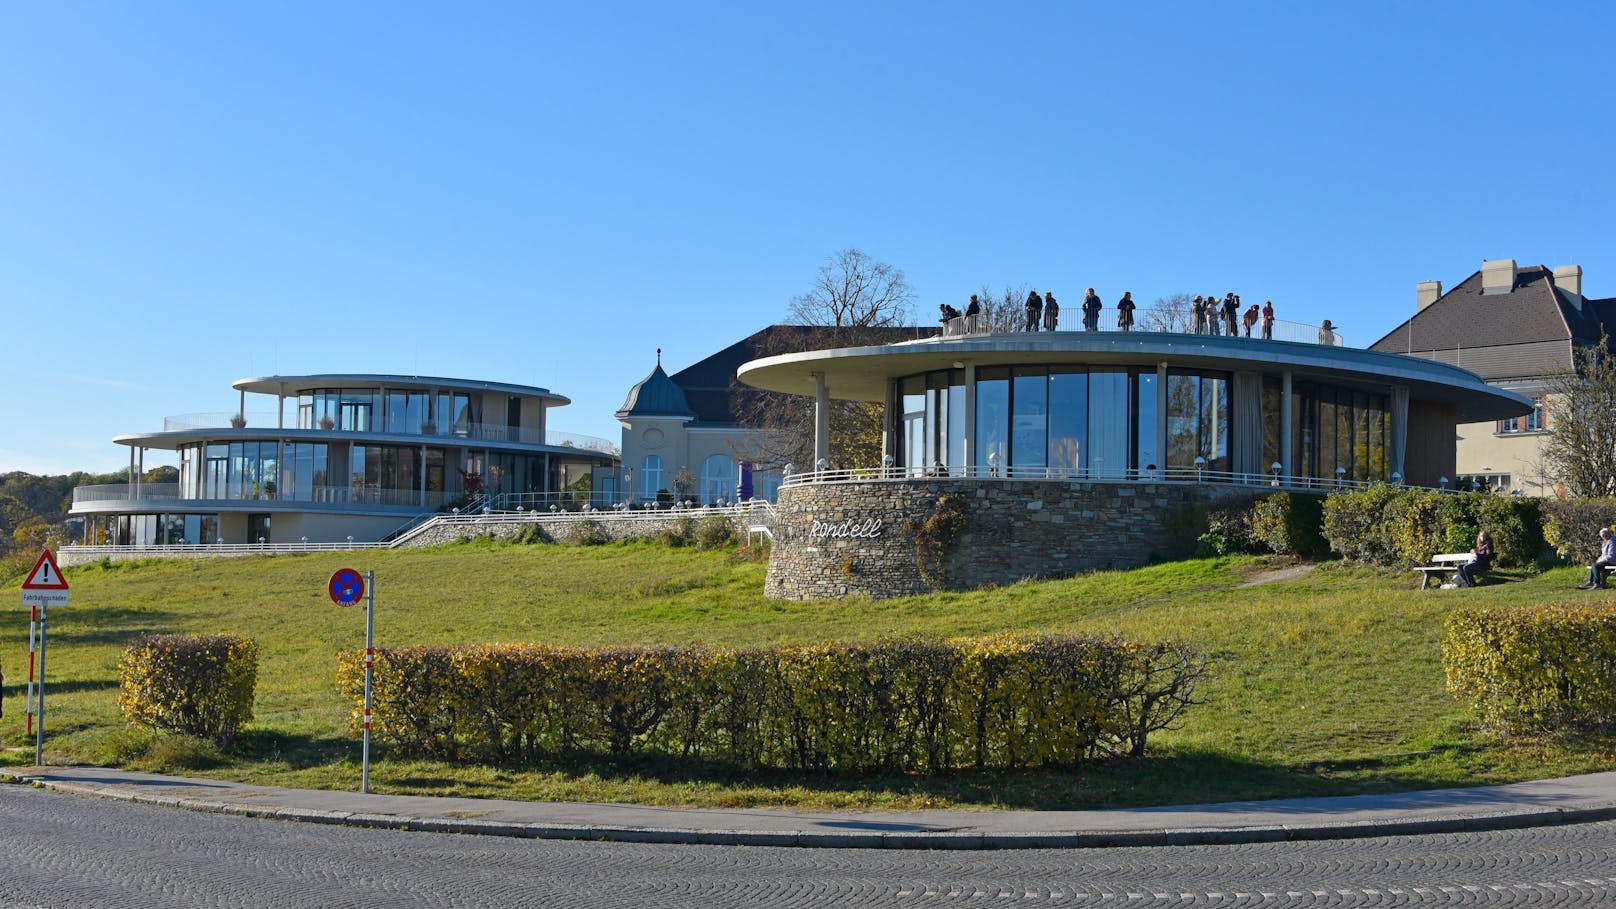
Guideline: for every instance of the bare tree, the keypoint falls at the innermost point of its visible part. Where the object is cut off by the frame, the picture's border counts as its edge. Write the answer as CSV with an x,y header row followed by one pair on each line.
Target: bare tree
x,y
854,300
1580,405
854,291
1003,310
1170,313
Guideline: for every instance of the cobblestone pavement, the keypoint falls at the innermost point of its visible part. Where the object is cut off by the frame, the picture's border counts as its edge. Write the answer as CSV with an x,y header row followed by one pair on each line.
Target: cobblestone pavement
x,y
67,851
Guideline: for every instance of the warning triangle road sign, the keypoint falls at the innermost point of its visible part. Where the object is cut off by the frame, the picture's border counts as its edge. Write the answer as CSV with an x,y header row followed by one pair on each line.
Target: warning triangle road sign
x,y
45,576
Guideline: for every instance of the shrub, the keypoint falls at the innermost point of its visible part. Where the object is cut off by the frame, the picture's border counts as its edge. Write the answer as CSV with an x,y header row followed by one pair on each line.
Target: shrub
x,y
682,532
1290,523
1228,533
714,531
199,685
1355,523
936,535
1540,668
905,705
1571,526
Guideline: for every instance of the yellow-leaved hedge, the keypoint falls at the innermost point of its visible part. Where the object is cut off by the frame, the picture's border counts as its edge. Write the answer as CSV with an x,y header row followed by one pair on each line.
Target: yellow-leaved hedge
x,y
196,684
1536,668
896,705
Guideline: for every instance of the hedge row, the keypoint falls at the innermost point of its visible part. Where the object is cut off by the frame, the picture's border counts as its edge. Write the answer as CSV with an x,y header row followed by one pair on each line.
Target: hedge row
x,y
1572,526
1534,669
897,705
198,685
1387,525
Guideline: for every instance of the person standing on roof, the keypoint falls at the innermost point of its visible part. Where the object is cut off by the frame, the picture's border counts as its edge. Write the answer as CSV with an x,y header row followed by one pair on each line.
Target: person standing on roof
x,y
1091,311
1125,308
1249,320
1268,321
1035,311
1051,312
1231,314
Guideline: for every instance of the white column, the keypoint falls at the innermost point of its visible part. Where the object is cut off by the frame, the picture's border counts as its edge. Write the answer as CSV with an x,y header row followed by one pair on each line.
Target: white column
x,y
1285,418
821,420
423,476
280,411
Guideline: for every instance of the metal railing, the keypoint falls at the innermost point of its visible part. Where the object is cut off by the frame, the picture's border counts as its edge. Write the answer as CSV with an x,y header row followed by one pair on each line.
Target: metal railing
x,y
318,495
1081,475
475,432
1146,320
162,549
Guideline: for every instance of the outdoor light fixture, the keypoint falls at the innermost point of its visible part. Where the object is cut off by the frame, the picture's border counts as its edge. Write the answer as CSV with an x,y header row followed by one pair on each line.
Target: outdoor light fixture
x,y
1276,467
1443,481
1340,476
1397,478
1200,468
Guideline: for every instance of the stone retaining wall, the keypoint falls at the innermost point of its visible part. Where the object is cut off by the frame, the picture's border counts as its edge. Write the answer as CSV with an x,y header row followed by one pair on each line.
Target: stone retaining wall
x,y
565,527
840,539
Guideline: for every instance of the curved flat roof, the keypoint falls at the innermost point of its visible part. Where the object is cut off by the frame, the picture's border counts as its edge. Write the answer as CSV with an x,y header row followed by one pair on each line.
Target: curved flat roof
x,y
862,373
173,440
292,385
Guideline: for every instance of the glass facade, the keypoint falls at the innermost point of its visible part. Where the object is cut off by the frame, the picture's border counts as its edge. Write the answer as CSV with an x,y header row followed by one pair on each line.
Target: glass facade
x,y
718,479
400,412
1118,422
151,529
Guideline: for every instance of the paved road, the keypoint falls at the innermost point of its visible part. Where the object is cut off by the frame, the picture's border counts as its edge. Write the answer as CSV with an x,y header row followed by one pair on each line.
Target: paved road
x,y
68,851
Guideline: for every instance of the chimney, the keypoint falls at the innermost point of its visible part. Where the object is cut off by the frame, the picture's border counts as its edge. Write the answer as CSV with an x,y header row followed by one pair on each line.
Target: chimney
x,y
1426,293
1569,279
1498,276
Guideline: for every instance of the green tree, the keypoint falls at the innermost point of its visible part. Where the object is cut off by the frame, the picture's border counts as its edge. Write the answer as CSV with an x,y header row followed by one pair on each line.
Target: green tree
x,y
1580,405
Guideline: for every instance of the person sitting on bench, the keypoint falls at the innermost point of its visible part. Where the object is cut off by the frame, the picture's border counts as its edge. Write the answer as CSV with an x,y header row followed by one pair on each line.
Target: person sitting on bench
x,y
1607,558
1481,559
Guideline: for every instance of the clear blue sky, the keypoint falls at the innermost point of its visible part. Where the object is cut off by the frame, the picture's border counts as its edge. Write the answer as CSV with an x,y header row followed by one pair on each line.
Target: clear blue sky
x,y
544,194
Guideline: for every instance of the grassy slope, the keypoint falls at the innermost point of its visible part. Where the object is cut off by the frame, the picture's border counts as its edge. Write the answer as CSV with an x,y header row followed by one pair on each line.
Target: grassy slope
x,y
1327,683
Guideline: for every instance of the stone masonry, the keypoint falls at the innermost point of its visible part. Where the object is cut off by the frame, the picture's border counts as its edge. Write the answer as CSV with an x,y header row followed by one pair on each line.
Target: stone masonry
x,y
841,539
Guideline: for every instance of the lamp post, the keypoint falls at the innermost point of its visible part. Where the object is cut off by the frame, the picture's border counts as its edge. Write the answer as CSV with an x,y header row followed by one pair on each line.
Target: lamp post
x,y
1340,477
1443,481
886,466
1276,467
1200,468
1397,478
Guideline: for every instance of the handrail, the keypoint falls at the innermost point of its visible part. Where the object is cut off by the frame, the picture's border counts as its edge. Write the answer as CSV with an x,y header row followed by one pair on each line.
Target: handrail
x,y
1082,475
267,423
1146,320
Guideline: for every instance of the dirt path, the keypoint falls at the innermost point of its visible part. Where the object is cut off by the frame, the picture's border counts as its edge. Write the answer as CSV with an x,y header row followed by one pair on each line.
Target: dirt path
x,y
1278,574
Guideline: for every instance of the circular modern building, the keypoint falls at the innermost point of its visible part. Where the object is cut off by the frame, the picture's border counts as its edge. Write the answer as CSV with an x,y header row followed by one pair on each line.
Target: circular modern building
x,y
339,457
1084,450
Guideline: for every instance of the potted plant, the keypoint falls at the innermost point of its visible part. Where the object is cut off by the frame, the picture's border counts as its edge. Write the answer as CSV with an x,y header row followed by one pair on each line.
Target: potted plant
x,y
327,423
238,421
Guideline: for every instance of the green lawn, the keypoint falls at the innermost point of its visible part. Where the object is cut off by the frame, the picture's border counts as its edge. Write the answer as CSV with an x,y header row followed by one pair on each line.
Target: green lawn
x,y
1329,682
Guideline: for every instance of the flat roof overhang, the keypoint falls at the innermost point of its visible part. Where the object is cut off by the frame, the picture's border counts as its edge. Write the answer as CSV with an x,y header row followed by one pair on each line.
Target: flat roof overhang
x,y
863,373
291,386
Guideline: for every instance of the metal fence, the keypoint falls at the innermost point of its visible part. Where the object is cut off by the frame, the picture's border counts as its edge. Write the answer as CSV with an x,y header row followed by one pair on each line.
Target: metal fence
x,y
1083,475
1153,320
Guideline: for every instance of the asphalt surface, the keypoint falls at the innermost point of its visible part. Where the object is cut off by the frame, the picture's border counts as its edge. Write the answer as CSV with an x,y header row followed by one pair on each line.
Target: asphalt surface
x,y
1575,799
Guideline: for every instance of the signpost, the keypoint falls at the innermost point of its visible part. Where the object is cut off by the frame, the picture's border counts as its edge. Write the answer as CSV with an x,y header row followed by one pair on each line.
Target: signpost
x,y
45,587
346,587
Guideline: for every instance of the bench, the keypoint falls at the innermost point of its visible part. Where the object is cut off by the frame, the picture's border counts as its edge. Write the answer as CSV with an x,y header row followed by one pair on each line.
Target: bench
x,y
1441,566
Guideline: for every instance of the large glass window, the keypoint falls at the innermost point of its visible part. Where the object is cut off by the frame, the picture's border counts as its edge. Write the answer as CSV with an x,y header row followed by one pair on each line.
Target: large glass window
x,y
1029,418
1198,421
1108,423
912,398
650,476
1340,434
717,479
992,418
1068,419
1148,412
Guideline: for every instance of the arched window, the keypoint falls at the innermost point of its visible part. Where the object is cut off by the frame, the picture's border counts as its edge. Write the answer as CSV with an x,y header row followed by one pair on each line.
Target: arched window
x,y
717,479
651,476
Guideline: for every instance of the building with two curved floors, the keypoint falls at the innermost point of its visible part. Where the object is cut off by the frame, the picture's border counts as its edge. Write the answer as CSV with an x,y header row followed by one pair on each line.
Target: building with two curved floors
x,y
338,457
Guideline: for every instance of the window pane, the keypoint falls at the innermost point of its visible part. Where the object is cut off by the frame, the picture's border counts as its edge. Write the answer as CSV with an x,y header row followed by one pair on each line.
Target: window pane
x,y
1149,415
992,417
1030,418
1068,419
1108,423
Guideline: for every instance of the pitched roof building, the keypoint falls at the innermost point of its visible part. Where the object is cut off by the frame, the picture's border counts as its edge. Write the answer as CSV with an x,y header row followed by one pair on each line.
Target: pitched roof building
x,y
1513,326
